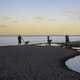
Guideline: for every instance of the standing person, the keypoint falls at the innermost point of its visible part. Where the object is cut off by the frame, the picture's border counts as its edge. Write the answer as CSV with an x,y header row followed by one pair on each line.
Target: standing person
x,y
48,40
67,41
19,40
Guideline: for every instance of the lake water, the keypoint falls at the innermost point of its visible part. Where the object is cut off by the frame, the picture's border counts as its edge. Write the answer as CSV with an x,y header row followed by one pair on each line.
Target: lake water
x,y
12,40
74,64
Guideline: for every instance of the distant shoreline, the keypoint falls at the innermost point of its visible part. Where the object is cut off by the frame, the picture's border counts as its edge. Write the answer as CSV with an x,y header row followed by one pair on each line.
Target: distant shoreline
x,y
41,35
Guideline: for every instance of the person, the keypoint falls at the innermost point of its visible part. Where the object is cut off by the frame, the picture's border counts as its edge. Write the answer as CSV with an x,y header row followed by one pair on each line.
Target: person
x,y
67,41
19,40
48,40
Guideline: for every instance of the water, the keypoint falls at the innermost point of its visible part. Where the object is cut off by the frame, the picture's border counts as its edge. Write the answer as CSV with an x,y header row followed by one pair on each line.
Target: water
x,y
12,40
74,64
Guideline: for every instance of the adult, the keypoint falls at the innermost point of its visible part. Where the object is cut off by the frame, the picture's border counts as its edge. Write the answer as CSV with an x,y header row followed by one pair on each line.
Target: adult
x,y
67,41
19,40
48,40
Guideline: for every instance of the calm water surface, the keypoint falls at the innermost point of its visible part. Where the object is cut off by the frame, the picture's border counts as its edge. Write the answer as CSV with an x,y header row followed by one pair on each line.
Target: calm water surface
x,y
12,40
74,64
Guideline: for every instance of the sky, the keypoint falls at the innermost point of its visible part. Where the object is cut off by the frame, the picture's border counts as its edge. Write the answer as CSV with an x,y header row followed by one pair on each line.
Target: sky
x,y
40,17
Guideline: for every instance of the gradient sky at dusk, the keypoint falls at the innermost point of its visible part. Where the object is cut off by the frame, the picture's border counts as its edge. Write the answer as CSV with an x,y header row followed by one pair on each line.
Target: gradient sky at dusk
x,y
39,17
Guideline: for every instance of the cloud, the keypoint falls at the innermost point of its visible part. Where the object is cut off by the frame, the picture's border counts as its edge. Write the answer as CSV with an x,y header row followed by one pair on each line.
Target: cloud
x,y
39,18
45,19
19,19
15,21
6,18
78,17
73,12
3,26
53,20
12,19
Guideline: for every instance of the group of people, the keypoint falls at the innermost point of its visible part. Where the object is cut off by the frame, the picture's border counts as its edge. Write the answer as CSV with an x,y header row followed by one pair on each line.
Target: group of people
x,y
20,39
49,41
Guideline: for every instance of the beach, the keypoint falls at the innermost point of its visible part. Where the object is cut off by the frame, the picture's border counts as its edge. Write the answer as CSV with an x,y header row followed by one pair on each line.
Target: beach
x,y
36,63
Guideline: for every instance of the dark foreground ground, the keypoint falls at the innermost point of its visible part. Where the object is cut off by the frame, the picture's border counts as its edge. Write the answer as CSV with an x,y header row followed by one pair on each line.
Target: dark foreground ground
x,y
35,63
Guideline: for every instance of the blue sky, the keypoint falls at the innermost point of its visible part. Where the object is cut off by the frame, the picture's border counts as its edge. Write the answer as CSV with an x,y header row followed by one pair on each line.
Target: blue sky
x,y
36,7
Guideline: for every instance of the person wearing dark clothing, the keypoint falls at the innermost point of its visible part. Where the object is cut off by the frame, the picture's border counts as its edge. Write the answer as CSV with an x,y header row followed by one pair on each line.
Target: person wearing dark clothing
x,y
67,41
19,40
48,40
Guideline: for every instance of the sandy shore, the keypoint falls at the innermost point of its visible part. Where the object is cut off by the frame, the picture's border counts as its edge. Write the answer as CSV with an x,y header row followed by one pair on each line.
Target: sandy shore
x,y
36,63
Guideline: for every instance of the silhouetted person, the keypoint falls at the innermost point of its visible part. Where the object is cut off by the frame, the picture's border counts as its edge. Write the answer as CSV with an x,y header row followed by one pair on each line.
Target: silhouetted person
x,y
48,40
19,40
67,41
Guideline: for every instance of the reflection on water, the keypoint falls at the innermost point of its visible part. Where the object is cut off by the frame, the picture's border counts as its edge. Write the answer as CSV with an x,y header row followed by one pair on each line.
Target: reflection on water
x,y
48,44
